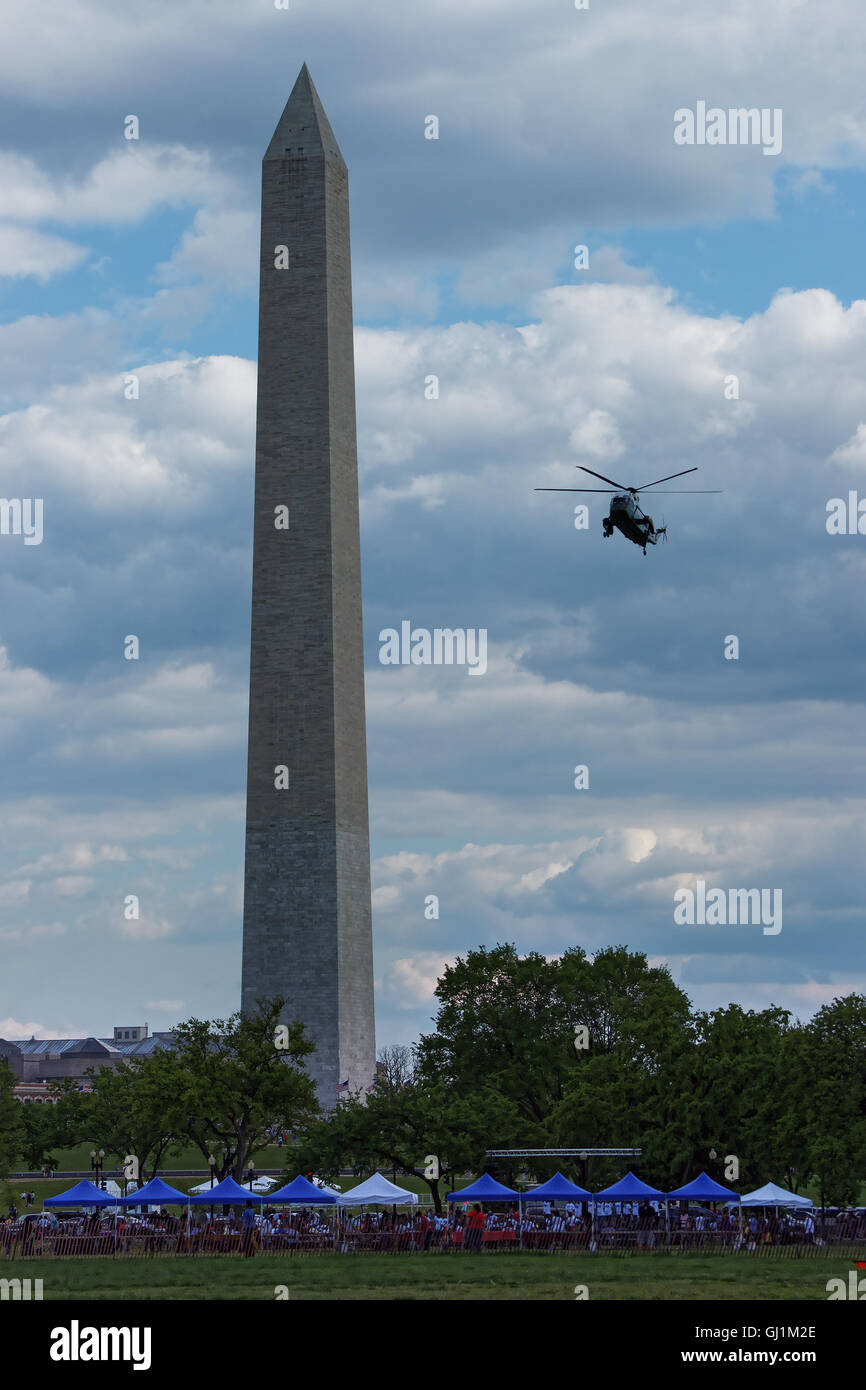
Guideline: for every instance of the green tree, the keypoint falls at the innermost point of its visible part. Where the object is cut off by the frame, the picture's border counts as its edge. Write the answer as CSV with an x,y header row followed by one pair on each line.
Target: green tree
x,y
510,1023
12,1132
130,1111
40,1129
402,1126
732,1089
227,1082
832,1072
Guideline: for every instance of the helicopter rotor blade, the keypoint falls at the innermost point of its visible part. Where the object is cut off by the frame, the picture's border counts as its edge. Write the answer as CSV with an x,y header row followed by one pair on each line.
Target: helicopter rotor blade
x,y
665,492
620,487
644,486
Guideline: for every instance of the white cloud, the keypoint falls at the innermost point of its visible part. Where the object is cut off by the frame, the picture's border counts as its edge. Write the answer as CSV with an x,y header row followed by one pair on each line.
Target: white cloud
x,y
77,856
411,980
73,886
222,246
123,187
854,451
15,1032
166,451
15,891
145,929
25,251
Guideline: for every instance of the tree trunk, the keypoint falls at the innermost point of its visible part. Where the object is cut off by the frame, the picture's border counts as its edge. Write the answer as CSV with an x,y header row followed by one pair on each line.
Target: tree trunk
x,y
433,1184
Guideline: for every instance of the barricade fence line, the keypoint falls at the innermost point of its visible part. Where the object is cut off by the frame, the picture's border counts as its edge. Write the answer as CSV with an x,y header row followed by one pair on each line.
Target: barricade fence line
x,y
366,1236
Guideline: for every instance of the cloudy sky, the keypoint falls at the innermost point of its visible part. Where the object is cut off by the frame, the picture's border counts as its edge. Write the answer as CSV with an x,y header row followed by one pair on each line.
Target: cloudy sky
x,y
706,262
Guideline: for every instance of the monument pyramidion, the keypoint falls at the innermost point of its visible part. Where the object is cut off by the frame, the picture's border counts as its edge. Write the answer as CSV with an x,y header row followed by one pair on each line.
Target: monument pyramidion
x,y
307,919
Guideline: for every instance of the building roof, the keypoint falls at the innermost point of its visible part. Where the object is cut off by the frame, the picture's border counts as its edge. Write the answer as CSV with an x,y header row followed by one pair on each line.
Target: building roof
x,y
88,1047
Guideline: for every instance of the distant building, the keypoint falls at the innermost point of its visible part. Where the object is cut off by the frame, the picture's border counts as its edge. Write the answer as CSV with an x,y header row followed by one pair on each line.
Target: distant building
x,y
136,1034
37,1061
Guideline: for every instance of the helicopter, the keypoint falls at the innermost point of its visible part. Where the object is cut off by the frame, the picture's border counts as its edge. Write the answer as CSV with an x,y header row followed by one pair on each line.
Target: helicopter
x,y
625,514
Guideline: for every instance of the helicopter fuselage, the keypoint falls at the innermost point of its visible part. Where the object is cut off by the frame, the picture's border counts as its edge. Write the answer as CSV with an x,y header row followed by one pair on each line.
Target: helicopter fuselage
x,y
633,523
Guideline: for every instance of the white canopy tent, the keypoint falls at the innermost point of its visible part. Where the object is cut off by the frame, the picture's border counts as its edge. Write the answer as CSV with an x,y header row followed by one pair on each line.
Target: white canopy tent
x,y
772,1196
265,1183
377,1192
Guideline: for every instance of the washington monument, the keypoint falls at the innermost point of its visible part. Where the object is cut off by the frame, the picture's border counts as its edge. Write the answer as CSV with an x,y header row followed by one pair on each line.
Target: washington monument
x,y
307,919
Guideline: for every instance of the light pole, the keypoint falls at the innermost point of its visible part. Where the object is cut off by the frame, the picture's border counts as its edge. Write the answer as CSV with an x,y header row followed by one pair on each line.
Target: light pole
x,y
212,1165
96,1162
251,1176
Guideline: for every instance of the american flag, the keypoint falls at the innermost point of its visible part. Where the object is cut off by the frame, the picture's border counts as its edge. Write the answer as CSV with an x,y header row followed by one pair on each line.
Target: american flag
x,y
374,1087
342,1086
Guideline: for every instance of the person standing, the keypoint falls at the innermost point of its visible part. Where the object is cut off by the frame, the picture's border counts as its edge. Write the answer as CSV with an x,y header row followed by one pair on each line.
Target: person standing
x,y
248,1230
474,1229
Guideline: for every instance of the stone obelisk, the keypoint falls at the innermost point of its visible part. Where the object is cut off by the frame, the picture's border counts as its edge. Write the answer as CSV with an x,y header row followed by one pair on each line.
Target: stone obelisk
x,y
307,917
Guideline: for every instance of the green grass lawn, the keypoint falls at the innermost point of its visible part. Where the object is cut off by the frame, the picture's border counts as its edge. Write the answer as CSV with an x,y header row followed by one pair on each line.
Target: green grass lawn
x,y
78,1159
434,1277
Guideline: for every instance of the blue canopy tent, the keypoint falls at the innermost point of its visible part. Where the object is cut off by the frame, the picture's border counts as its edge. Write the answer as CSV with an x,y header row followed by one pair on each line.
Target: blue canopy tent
x,y
155,1193
703,1189
484,1189
83,1194
226,1192
487,1189
300,1189
628,1189
557,1189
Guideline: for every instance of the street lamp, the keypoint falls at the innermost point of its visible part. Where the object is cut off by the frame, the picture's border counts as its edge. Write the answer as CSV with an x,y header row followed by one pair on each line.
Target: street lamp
x,y
251,1175
212,1165
96,1162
